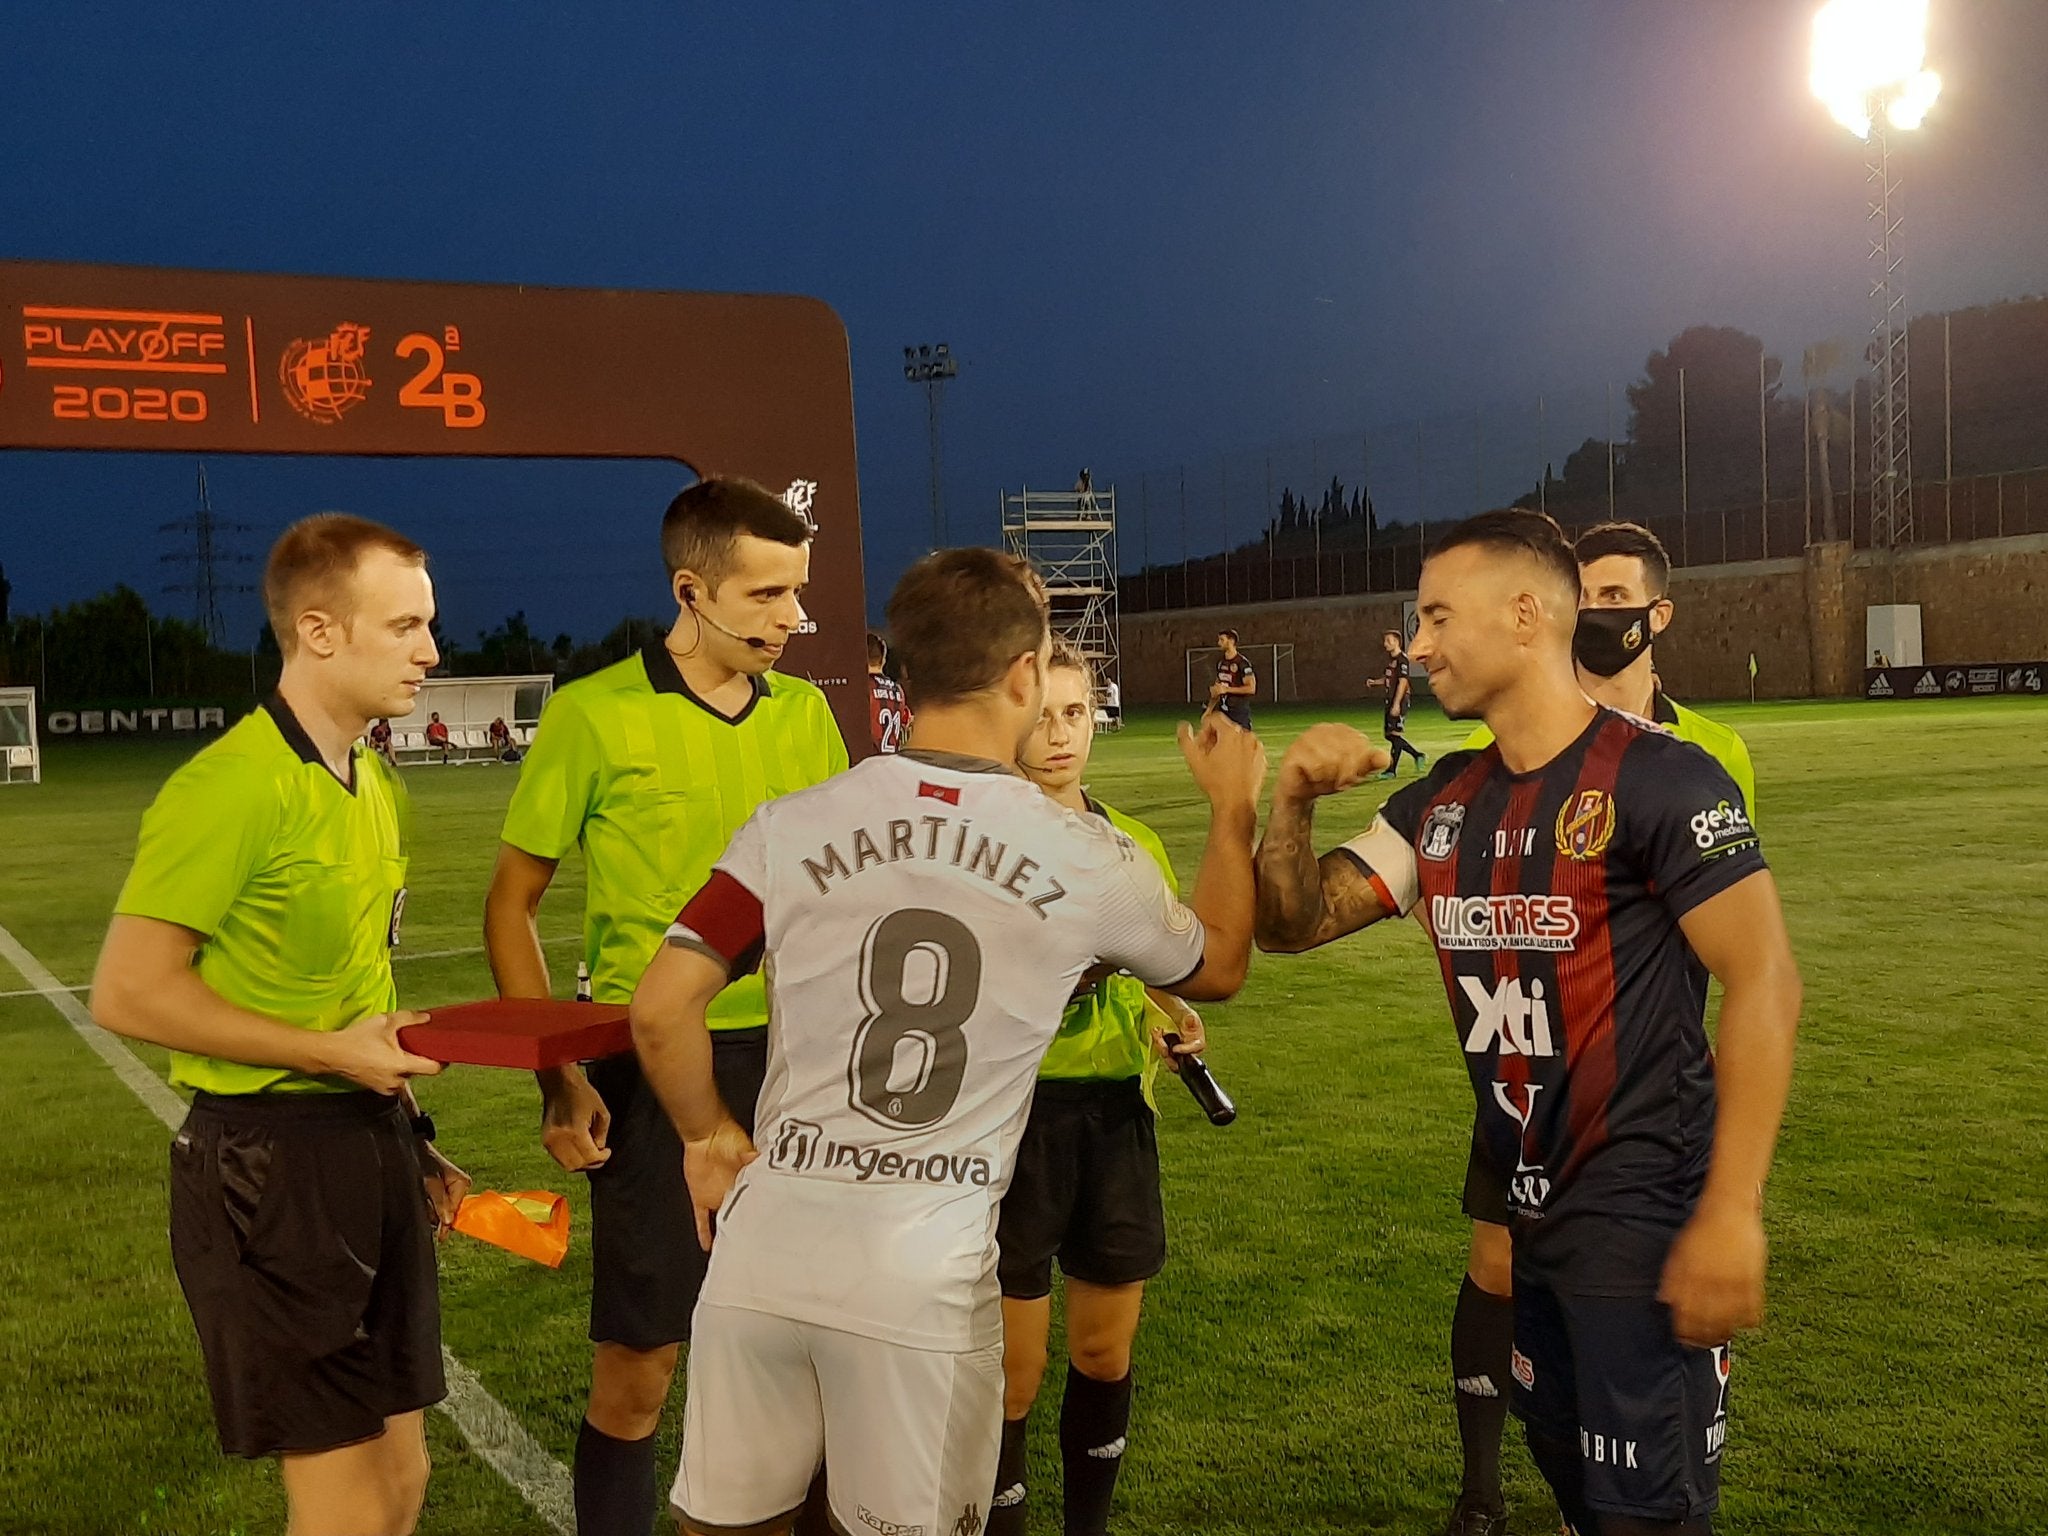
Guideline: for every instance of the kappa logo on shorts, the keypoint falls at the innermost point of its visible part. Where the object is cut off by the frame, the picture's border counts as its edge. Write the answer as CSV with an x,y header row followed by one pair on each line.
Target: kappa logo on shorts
x,y
1524,1369
875,1522
969,1523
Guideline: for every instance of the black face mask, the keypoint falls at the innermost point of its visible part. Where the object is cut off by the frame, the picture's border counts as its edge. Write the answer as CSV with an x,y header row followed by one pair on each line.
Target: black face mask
x,y
1610,640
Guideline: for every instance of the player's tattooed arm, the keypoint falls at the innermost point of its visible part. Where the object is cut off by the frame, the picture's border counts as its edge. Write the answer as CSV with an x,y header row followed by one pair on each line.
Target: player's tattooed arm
x,y
1304,901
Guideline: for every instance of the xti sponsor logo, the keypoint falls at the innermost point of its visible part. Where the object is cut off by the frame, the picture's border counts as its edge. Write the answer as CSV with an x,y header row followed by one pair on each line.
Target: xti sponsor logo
x,y
1504,922
875,1522
1518,1021
1722,830
1608,1451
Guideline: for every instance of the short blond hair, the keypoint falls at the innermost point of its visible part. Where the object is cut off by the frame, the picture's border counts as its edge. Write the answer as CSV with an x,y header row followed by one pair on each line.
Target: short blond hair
x,y
311,563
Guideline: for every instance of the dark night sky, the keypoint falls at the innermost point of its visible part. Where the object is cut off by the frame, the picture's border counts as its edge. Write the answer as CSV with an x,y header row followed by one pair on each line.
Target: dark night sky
x,y
1152,232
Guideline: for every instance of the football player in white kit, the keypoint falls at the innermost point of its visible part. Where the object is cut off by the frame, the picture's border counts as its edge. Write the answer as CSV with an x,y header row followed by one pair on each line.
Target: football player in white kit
x,y
925,918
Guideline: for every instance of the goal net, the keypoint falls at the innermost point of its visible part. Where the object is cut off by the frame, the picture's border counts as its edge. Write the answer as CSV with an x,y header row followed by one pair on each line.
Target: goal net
x,y
21,758
1272,672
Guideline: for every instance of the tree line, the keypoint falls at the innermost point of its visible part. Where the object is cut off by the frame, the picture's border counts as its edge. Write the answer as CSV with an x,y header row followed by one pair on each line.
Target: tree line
x,y
109,648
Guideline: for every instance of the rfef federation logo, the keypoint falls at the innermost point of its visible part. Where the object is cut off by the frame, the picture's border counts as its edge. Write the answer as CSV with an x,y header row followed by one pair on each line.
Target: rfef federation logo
x,y
324,380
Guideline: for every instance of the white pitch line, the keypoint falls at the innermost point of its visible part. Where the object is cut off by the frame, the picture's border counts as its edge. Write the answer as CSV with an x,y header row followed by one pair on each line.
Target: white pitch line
x,y
398,958
485,1422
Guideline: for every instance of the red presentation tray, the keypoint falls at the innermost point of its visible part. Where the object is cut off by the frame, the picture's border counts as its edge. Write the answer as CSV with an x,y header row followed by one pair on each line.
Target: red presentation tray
x,y
521,1032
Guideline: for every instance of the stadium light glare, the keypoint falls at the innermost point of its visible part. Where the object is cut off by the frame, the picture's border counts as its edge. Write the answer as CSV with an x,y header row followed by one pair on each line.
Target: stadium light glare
x,y
1870,56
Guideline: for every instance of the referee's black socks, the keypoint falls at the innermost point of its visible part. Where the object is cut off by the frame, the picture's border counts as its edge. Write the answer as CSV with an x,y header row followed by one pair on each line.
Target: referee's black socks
x,y
1482,1338
1095,1417
1006,1507
614,1484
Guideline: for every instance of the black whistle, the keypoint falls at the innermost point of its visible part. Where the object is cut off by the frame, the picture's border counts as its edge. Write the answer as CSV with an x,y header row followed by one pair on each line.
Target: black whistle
x,y
1203,1085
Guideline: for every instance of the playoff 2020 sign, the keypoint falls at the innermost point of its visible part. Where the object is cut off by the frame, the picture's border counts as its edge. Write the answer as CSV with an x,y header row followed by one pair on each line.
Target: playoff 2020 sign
x,y
149,359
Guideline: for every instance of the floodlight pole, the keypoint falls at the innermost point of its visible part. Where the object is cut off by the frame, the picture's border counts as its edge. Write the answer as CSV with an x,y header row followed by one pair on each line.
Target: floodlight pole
x,y
1891,437
931,367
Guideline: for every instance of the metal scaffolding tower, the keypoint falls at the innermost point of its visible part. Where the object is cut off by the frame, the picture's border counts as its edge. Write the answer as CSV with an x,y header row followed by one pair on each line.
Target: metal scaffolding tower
x,y
1070,536
204,558
1891,436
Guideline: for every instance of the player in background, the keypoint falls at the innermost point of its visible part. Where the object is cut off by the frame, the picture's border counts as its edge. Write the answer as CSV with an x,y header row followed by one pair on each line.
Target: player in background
x,y
437,737
1235,682
380,742
253,939
649,767
1624,582
1086,1189
1400,691
888,711
926,918
1581,877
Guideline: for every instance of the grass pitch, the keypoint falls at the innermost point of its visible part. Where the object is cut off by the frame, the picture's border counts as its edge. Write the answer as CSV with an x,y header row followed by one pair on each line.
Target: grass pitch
x,y
1292,1370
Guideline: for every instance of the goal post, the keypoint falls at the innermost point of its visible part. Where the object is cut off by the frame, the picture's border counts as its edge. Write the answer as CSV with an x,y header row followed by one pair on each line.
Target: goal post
x,y
1272,671
21,753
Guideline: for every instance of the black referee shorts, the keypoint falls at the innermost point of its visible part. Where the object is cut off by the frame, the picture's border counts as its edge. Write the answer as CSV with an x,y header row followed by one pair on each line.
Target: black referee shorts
x,y
1486,1187
1086,1191
304,1243
646,1264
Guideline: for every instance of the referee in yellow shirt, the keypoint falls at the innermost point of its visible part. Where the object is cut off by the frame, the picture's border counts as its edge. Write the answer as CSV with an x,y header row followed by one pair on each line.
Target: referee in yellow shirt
x,y
650,766
253,939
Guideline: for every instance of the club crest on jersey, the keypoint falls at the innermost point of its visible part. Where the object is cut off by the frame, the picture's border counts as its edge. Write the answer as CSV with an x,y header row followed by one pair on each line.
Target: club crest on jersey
x,y
1632,638
1585,824
1440,831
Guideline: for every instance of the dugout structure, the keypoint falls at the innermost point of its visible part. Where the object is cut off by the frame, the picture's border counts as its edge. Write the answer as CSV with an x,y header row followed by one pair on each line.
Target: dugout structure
x,y
1070,537
155,360
1272,666
467,706
21,754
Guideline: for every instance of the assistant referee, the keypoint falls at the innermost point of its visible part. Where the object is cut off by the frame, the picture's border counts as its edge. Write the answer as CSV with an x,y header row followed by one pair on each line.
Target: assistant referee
x,y
650,766
1624,605
1086,1187
253,939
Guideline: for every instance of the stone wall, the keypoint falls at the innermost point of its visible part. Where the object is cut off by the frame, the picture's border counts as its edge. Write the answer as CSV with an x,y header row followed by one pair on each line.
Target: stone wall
x,y
1803,617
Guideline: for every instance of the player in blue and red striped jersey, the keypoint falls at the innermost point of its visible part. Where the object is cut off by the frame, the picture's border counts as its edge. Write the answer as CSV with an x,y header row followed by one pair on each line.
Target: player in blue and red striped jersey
x,y
1580,878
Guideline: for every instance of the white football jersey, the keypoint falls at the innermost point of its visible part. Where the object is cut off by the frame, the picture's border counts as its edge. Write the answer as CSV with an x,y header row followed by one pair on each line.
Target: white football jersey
x,y
925,919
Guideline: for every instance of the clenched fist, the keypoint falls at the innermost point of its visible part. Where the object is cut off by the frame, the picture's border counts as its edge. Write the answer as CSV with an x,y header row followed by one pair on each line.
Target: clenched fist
x,y
1328,759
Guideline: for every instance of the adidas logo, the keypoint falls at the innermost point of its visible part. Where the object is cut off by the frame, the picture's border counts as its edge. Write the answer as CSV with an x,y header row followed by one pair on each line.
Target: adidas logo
x,y
1882,688
1928,684
1109,1452
1477,1386
1009,1498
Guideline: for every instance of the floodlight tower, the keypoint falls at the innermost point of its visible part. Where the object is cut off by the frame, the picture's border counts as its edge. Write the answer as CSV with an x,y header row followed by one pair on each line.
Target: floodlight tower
x,y
931,367
1869,69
